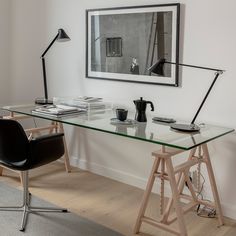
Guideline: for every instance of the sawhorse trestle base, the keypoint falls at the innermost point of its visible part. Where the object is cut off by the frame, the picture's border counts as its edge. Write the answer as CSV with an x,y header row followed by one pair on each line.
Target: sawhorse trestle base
x,y
177,176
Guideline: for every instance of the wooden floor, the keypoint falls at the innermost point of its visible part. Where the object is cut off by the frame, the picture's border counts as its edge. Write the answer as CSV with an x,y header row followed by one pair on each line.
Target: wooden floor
x,y
106,201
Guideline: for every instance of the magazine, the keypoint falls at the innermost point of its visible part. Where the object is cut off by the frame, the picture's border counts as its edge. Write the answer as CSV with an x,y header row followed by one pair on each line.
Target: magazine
x,y
84,102
58,110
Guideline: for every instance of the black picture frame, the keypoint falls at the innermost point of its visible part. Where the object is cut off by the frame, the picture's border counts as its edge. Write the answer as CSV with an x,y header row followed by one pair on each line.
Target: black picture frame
x,y
104,23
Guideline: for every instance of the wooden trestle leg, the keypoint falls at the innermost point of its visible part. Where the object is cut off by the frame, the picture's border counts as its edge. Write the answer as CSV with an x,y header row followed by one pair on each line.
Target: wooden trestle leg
x,y
176,197
66,155
213,184
146,195
163,159
1,170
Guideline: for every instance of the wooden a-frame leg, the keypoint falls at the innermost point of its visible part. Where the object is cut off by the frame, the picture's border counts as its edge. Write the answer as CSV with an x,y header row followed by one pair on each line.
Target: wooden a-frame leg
x,y
146,195
20,174
213,184
180,184
66,155
176,197
1,170
162,192
21,177
51,130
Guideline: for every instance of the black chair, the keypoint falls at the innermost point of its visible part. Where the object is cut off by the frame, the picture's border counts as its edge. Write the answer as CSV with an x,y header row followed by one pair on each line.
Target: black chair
x,y
19,153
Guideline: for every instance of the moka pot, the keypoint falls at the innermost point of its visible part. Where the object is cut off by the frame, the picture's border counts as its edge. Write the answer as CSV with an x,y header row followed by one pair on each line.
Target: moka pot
x,y
141,105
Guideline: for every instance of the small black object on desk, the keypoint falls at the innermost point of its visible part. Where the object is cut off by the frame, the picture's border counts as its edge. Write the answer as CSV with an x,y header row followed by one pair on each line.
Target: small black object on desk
x,y
163,119
43,101
140,106
121,114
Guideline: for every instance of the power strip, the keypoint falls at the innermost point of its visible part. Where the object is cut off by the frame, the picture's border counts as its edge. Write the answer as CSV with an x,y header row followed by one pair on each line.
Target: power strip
x,y
207,212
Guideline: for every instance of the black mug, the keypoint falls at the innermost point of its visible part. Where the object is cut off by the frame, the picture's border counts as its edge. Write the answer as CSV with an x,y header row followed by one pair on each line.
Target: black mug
x,y
121,114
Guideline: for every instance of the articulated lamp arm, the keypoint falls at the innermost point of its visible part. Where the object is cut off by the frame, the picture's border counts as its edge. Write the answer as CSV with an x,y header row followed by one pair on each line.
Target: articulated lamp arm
x,y
157,68
60,37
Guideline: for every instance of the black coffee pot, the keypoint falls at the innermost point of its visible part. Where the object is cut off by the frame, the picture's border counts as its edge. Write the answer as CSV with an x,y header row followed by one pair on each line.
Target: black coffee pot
x,y
141,109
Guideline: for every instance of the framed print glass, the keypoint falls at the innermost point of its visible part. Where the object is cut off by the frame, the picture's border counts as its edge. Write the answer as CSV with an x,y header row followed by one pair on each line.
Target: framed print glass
x,y
122,43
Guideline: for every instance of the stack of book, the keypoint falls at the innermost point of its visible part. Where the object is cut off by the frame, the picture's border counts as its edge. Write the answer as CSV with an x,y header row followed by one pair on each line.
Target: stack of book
x,y
84,102
58,110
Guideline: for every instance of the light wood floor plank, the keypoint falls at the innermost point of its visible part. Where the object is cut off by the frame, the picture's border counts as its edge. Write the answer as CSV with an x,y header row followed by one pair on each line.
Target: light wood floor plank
x,y
106,201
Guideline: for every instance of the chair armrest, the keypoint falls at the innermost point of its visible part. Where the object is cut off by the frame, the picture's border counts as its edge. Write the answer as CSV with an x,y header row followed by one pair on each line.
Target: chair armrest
x,y
46,148
46,137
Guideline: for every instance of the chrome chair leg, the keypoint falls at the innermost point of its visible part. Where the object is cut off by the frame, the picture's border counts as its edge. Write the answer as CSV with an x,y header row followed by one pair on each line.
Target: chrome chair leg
x,y
11,208
47,209
25,178
24,218
26,207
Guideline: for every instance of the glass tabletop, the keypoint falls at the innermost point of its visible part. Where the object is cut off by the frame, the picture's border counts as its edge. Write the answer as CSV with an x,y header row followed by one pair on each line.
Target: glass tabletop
x,y
154,132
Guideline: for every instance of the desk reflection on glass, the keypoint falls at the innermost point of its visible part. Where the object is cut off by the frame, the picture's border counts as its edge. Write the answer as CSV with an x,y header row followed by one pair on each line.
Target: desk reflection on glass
x,y
121,129
140,130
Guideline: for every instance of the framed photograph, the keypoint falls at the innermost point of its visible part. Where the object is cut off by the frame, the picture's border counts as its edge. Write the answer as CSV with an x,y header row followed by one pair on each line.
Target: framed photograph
x,y
123,43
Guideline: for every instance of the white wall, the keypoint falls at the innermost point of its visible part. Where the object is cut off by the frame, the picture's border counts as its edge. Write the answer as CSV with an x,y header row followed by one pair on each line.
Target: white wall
x,y
207,38
4,50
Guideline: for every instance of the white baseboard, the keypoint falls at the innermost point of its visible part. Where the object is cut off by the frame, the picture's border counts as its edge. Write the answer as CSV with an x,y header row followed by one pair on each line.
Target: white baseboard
x,y
228,210
111,173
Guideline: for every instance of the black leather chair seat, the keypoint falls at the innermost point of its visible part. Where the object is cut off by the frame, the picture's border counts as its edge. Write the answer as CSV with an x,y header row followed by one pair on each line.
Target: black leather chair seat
x,y
19,153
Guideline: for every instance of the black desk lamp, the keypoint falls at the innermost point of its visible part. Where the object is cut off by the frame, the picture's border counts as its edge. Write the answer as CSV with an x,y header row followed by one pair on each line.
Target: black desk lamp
x,y
157,68
60,37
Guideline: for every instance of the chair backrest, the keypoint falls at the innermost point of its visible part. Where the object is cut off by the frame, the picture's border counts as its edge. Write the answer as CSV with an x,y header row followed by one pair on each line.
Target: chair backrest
x,y
14,144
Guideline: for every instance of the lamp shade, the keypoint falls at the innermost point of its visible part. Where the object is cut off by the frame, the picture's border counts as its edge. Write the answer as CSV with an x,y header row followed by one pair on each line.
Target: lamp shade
x,y
62,36
158,67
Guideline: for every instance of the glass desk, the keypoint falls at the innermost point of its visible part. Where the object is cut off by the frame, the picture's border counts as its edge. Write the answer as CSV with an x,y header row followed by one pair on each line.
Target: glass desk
x,y
153,132
172,143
